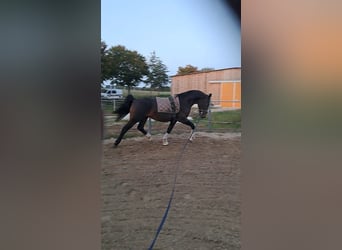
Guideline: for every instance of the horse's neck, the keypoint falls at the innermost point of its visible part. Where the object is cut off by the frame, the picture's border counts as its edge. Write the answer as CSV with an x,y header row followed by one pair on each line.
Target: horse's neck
x,y
187,104
192,101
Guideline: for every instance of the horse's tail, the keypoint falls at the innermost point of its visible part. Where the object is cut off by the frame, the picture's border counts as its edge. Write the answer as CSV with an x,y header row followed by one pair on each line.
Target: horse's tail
x,y
123,110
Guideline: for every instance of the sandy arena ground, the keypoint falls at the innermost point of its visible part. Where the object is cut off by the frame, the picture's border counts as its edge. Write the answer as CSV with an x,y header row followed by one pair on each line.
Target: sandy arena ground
x,y
137,179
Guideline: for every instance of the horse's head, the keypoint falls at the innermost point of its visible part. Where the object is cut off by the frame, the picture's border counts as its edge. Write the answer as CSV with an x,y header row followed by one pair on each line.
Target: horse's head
x,y
203,105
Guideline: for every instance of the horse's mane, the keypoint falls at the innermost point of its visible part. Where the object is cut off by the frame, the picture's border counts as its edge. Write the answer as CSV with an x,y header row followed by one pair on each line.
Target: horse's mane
x,y
196,93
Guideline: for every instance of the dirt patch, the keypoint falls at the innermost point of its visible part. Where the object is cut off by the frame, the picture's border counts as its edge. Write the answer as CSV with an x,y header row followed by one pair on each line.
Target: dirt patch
x,y
137,179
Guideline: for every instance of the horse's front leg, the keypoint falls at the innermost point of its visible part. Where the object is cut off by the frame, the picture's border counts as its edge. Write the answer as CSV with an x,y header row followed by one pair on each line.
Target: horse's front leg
x,y
168,131
190,124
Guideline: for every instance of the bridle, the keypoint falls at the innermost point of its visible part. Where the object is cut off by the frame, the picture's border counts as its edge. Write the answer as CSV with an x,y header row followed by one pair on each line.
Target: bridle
x,y
204,111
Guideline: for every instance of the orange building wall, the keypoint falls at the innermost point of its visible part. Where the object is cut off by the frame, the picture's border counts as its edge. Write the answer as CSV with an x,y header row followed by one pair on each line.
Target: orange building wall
x,y
214,82
231,95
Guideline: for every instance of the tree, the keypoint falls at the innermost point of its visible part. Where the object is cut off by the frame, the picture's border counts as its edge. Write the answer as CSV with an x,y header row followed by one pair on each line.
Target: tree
x,y
105,62
125,67
206,69
157,73
188,69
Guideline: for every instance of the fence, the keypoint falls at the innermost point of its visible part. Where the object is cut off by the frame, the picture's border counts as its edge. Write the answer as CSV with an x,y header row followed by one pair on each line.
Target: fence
x,y
218,119
108,106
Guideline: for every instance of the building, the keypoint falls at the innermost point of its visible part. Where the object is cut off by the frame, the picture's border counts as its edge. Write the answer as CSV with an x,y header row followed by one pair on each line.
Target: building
x,y
224,84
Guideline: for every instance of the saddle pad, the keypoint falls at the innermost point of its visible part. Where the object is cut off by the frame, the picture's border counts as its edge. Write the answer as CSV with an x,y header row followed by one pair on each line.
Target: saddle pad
x,y
165,106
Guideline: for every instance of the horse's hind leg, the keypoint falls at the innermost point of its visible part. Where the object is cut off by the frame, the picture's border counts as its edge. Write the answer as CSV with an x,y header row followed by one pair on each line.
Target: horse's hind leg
x,y
124,130
141,128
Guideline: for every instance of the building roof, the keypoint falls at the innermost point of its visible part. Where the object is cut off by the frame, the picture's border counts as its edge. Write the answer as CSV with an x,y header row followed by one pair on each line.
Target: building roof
x,y
201,72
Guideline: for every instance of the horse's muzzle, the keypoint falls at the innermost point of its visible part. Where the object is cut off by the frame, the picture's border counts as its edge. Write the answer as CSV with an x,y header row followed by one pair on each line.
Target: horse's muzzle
x,y
202,113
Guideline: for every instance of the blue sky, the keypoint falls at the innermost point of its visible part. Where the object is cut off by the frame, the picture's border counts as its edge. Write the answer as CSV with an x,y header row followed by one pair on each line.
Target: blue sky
x,y
202,33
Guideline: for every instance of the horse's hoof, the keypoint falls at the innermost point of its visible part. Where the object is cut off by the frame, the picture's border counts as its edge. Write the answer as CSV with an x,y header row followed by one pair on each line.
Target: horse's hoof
x,y
165,143
115,145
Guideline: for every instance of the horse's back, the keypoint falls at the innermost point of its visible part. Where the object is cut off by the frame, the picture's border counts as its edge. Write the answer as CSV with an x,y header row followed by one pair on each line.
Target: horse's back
x,y
147,103
143,107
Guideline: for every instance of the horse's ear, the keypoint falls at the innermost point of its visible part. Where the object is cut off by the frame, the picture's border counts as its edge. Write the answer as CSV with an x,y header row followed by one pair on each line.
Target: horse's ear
x,y
209,95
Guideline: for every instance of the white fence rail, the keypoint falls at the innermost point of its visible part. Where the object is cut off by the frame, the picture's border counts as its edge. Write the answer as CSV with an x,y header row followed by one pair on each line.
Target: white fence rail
x,y
110,105
115,103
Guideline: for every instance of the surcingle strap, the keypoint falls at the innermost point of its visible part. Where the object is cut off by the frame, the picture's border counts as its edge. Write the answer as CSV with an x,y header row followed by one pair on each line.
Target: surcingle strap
x,y
173,105
168,104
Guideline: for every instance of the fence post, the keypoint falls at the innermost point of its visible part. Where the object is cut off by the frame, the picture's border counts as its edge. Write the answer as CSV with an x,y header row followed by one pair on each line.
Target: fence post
x,y
209,118
149,126
114,105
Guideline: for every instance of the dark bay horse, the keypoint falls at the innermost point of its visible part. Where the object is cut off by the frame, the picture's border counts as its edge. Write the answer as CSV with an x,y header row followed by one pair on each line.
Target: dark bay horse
x,y
141,109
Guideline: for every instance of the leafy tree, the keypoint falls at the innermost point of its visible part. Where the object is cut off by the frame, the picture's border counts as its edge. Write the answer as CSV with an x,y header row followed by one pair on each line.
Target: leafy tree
x,y
105,62
125,67
157,73
206,69
188,69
